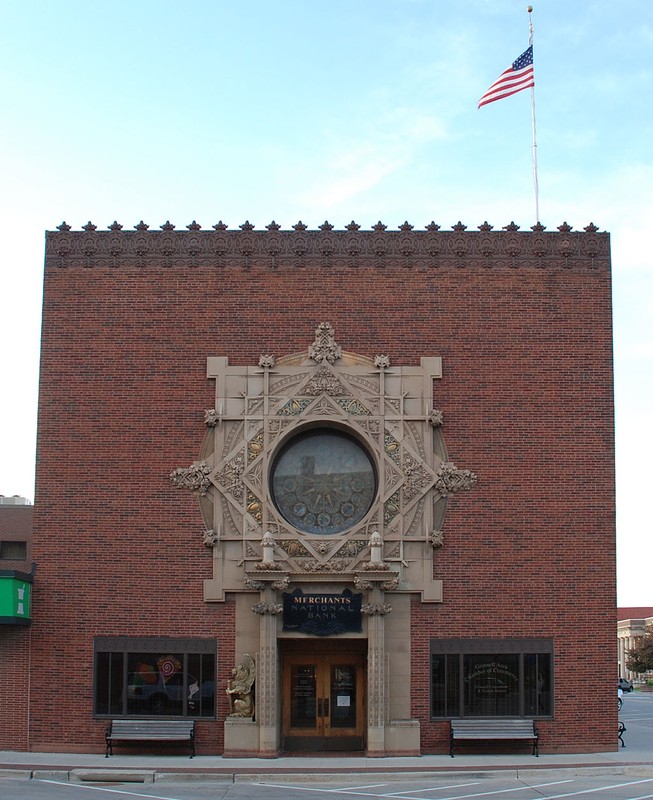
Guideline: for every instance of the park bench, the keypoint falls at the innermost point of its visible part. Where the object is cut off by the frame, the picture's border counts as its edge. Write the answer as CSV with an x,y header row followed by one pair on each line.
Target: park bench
x,y
493,729
150,730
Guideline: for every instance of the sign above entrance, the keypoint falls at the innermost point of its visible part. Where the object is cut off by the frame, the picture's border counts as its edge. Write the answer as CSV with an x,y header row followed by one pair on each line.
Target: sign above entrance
x,y
322,614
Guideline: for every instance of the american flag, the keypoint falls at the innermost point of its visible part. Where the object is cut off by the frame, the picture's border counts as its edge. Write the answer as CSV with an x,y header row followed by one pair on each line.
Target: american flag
x,y
518,76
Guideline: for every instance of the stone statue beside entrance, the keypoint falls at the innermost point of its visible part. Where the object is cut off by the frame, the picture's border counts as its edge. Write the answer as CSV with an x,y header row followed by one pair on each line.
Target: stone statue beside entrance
x,y
240,688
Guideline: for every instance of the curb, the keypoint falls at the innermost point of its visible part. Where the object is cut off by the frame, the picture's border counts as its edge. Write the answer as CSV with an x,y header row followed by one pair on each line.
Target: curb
x,y
81,775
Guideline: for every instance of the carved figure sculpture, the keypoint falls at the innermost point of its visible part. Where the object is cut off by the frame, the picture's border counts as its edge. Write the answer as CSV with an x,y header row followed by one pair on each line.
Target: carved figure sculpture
x,y
240,688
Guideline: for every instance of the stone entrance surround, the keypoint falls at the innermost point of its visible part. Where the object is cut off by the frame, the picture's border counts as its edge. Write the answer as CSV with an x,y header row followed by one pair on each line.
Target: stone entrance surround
x,y
386,553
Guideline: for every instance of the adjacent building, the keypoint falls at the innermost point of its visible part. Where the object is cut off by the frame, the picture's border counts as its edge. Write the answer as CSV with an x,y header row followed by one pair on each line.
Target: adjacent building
x,y
632,622
16,577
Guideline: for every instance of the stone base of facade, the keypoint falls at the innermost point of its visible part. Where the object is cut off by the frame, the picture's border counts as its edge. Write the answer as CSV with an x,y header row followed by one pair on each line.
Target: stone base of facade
x,y
241,738
402,738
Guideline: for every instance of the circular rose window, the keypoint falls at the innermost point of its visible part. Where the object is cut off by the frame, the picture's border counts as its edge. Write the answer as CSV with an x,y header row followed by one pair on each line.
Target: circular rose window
x,y
323,481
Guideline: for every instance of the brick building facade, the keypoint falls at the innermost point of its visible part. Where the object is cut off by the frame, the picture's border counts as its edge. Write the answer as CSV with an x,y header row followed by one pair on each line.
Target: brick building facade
x,y
238,428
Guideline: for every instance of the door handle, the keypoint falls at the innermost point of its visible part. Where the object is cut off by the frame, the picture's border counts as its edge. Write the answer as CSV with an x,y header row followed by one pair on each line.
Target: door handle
x,y
326,706
319,707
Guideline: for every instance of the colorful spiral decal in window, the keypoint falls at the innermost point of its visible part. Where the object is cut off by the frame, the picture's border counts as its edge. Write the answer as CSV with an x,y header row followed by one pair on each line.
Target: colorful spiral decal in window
x,y
168,665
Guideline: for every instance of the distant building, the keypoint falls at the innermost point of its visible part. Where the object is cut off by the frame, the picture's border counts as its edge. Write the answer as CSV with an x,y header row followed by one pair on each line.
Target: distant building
x,y
16,518
632,622
371,471
13,500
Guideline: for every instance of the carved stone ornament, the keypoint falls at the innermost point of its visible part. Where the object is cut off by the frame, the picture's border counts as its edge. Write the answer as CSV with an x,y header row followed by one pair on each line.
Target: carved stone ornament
x,y
255,585
267,545
324,382
376,551
318,469
268,566
240,688
211,417
325,348
373,566
263,609
195,477
210,538
376,609
326,247
379,581
437,539
450,479
436,418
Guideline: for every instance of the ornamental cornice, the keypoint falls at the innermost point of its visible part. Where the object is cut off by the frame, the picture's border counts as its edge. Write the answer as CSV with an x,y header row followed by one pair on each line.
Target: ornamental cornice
x,y
377,581
272,248
269,580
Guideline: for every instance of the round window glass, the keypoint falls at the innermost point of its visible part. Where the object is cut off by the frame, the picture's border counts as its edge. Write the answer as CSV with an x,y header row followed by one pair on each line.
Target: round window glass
x,y
323,481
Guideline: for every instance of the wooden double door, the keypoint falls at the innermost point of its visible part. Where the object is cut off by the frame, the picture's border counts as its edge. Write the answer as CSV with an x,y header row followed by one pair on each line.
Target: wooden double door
x,y
323,701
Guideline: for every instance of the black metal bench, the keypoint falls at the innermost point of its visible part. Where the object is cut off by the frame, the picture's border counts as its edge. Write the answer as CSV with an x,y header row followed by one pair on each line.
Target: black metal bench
x,y
493,729
151,730
620,734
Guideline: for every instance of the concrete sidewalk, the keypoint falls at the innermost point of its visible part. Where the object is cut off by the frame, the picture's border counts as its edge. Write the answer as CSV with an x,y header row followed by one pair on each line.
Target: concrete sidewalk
x,y
147,768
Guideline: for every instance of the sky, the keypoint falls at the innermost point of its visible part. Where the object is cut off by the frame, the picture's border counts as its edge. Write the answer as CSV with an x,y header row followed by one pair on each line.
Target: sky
x,y
319,110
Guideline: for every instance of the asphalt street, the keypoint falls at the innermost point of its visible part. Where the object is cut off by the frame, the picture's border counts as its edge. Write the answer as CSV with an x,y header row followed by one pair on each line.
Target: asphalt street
x,y
623,775
433,787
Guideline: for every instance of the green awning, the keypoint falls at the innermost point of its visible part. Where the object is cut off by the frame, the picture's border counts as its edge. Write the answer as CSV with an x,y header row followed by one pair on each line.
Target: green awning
x,y
15,597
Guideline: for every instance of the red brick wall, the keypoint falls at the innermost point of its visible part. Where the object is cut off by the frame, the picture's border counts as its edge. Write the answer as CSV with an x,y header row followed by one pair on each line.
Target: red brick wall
x,y
14,687
527,398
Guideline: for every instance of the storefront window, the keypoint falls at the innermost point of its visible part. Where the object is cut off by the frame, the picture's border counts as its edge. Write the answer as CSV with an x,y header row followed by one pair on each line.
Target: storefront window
x,y
151,680
491,682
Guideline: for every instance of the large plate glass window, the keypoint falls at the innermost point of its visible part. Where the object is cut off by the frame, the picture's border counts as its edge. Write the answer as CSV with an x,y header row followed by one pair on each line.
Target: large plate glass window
x,y
491,678
155,677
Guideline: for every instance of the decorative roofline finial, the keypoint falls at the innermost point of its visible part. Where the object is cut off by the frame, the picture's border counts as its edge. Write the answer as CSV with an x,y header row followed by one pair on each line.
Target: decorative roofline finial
x,y
325,348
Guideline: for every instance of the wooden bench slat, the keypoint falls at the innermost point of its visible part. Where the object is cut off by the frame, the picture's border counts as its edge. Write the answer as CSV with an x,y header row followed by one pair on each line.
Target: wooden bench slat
x,y
144,730
493,730
170,737
492,735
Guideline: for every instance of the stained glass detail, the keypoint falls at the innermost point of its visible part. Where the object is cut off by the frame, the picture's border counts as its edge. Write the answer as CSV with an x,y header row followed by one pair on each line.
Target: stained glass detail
x,y
323,482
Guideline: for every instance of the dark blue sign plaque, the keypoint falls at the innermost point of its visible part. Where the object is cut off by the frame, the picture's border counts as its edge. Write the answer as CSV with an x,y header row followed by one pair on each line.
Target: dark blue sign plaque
x,y
322,614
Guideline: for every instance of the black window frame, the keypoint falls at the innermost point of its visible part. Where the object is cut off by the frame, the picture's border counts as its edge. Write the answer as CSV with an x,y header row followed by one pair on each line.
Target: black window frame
x,y
8,549
112,656
531,657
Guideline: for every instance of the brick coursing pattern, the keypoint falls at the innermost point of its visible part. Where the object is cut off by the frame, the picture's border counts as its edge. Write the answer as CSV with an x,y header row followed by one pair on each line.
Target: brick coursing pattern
x,y
15,643
522,321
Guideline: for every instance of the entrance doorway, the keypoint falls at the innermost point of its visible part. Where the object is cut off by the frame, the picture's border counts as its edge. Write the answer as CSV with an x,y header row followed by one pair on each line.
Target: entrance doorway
x,y
323,701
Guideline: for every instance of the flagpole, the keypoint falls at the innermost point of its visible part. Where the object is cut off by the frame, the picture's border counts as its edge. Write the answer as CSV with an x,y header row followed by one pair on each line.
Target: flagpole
x,y
535,184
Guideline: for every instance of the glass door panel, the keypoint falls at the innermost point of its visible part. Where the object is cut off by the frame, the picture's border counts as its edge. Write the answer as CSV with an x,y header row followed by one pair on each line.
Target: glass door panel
x,y
303,696
343,696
